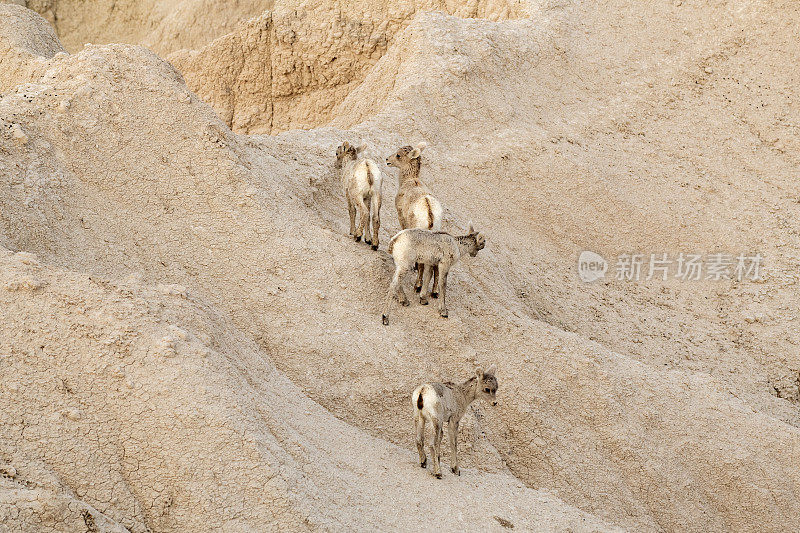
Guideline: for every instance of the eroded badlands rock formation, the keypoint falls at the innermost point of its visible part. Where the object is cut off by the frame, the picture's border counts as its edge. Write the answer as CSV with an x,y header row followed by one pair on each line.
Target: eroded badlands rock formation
x,y
190,340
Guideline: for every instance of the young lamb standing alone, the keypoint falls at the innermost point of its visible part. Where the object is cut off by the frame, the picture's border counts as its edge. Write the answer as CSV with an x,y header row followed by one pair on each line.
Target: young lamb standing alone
x,y
361,182
421,246
440,403
416,206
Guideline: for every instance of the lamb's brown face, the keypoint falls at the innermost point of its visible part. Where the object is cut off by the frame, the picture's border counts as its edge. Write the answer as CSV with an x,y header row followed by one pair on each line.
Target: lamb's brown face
x,y
343,152
400,158
480,243
488,390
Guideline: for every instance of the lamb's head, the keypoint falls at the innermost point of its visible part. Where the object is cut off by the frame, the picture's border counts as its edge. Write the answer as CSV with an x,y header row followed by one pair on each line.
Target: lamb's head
x,y
487,384
347,152
476,241
406,156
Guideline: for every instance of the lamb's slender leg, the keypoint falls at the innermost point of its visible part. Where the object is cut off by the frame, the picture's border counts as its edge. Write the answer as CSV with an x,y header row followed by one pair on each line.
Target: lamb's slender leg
x,y
389,295
401,294
435,289
426,281
443,290
419,424
437,448
394,290
363,220
376,219
351,210
401,219
367,231
420,273
452,432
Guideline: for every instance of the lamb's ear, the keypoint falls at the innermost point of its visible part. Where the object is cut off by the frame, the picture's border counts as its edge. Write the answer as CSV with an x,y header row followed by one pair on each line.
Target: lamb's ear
x,y
346,145
415,153
471,230
421,146
479,372
361,148
492,370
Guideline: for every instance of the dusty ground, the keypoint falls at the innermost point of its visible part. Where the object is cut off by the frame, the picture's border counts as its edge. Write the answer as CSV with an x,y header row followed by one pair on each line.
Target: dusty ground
x,y
190,340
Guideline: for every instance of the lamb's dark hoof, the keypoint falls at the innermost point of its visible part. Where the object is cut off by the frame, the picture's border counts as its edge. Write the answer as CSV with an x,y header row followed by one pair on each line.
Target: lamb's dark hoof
x,y
358,239
417,289
385,320
423,301
424,463
434,294
456,471
438,476
443,314
374,246
368,241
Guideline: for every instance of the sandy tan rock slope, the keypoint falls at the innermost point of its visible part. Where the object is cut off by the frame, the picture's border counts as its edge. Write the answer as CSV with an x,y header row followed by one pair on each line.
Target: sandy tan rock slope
x,y
145,403
197,342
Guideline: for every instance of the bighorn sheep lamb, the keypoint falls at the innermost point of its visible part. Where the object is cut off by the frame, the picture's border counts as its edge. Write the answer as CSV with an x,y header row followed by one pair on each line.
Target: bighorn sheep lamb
x,y
416,206
421,246
361,182
441,403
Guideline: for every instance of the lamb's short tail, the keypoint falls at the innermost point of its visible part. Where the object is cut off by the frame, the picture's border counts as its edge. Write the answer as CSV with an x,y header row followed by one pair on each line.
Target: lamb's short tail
x,y
430,212
419,401
370,179
391,242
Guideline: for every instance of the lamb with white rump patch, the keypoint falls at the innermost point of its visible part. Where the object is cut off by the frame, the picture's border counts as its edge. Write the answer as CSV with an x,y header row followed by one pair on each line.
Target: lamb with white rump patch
x,y
446,403
432,248
361,181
